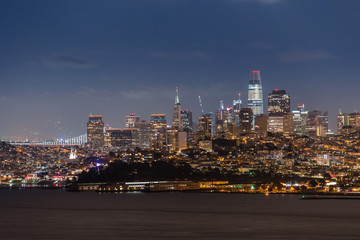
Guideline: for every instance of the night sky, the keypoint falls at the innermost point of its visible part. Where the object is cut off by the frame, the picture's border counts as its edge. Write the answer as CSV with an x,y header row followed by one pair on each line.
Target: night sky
x,y
61,60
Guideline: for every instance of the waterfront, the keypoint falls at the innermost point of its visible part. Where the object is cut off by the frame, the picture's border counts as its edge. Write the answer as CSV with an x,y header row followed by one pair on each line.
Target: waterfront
x,y
56,214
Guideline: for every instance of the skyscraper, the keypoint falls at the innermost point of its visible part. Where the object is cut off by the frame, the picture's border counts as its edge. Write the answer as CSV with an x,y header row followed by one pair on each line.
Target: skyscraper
x,y
204,127
261,122
177,111
237,105
278,107
278,103
246,120
317,123
186,120
158,130
221,118
300,120
132,121
144,134
95,131
255,94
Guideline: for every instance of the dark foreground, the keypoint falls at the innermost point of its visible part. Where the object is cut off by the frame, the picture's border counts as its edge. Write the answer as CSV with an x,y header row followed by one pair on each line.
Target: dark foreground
x,y
56,214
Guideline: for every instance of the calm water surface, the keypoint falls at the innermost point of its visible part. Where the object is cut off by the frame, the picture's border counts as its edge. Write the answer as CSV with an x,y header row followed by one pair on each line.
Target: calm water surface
x,y
53,214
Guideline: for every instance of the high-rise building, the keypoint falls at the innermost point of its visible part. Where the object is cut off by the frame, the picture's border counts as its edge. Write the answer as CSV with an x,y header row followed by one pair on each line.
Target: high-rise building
x,y
246,120
288,124
186,120
278,107
317,123
123,138
176,140
222,116
261,122
354,120
205,127
276,124
177,111
278,103
300,119
237,105
144,134
95,131
132,120
158,130
255,94
343,123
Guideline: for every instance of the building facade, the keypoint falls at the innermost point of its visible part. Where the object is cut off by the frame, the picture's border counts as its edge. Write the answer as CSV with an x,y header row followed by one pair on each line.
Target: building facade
x,y
132,120
255,93
95,131
158,130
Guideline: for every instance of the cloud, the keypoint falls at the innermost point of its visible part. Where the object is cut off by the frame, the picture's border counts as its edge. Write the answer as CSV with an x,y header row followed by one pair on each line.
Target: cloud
x,y
303,55
67,60
181,55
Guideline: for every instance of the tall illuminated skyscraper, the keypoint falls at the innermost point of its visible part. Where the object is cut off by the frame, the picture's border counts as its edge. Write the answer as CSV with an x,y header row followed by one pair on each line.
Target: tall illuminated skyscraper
x,y
132,120
255,94
177,112
95,131
158,130
278,110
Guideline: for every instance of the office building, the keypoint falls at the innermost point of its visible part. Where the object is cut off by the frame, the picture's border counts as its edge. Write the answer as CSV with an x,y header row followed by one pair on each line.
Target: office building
x,y
158,130
95,131
204,130
255,93
317,123
300,120
278,107
123,138
237,105
222,118
177,111
246,120
278,103
261,122
288,125
144,134
186,120
132,120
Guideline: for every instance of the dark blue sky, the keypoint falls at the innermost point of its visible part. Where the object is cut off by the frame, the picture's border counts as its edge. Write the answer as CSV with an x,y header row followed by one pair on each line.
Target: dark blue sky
x,y
61,60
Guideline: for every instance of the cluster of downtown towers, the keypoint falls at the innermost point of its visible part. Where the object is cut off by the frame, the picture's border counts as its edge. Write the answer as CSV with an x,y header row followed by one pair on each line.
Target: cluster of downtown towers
x,y
235,122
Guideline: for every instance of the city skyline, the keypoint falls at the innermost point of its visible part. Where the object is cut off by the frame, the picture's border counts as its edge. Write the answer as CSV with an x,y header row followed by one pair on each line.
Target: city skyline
x,y
117,58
